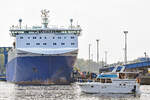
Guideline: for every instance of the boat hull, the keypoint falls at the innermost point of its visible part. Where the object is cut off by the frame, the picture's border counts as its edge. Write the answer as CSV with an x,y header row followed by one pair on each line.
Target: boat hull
x,y
40,69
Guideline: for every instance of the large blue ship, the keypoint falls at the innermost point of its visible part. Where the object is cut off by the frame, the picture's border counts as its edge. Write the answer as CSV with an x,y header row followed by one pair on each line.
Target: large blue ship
x,y
42,54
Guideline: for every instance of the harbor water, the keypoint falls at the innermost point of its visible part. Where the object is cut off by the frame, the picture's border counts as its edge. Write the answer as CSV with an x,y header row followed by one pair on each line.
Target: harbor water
x,y
9,91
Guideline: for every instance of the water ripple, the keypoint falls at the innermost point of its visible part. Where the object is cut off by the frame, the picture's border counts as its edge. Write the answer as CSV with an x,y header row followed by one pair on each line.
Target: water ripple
x,y
9,91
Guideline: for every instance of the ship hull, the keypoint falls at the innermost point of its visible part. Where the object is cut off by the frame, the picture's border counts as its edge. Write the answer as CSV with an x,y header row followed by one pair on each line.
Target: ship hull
x,y
40,69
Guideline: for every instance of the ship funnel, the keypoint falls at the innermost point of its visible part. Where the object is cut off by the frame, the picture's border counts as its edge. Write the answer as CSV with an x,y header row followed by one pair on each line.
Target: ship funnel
x,y
20,22
44,17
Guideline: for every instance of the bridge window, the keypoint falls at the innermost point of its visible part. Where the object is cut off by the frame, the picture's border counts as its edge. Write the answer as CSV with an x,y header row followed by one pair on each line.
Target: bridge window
x,y
54,43
72,43
44,43
62,43
40,37
45,37
27,43
37,43
34,37
28,37
53,37
21,37
59,37
72,37
65,37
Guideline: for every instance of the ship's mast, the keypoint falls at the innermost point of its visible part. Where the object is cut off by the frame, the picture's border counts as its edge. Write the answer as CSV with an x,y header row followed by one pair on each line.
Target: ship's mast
x,y
44,17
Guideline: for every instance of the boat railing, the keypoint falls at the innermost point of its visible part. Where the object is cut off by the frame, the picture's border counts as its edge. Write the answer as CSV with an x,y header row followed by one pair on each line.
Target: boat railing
x,y
19,28
83,80
101,80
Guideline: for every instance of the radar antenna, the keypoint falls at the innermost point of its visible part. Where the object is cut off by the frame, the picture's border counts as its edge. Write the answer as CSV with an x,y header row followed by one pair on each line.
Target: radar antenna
x,y
44,17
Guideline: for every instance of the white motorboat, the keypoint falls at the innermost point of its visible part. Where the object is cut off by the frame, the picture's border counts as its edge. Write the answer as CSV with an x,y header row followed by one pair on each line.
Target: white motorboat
x,y
114,82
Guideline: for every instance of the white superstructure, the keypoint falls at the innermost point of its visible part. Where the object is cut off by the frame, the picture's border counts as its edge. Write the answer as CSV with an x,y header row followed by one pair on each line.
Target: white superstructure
x,y
44,39
47,43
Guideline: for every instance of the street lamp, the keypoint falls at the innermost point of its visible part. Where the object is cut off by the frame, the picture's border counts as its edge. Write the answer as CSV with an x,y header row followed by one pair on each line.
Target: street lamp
x,y
105,58
125,49
89,55
97,50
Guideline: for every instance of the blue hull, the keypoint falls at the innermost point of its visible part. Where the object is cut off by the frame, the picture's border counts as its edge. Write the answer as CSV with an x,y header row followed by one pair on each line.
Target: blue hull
x,y
40,69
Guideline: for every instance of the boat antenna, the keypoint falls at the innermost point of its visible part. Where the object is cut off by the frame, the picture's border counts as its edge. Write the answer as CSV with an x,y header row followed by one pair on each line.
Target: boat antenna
x,y
20,22
44,17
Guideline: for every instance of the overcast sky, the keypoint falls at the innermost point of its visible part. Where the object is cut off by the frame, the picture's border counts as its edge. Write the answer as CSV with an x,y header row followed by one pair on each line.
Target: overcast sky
x,y
100,19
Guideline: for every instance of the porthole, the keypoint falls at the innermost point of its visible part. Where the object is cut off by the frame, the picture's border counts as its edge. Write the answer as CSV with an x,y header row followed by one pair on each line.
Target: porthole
x,y
72,37
72,43
34,37
54,43
44,43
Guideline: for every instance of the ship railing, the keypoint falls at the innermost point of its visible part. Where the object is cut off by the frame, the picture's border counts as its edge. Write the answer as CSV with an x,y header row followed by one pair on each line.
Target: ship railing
x,y
52,27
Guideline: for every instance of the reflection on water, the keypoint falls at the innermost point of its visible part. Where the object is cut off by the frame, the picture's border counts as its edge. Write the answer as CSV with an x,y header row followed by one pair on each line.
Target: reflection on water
x,y
145,92
9,91
109,97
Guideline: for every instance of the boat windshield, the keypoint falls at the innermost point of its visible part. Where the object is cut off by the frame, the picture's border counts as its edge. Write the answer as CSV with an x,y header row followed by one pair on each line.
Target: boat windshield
x,y
107,76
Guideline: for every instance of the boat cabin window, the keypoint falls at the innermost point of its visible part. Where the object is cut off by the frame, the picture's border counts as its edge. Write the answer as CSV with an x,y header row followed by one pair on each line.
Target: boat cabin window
x,y
104,80
122,75
108,81
128,75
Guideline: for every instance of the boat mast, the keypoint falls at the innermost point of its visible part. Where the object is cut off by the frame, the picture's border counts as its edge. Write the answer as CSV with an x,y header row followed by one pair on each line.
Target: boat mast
x,y
44,17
